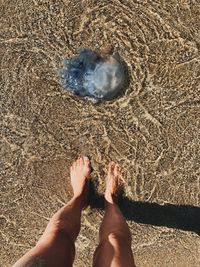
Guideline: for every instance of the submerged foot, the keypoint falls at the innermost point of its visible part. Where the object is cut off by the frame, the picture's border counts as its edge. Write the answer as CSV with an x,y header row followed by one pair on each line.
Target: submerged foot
x,y
79,173
114,182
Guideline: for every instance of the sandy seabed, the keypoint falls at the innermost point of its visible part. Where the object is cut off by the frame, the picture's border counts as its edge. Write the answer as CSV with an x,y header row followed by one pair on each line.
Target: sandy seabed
x,y
152,131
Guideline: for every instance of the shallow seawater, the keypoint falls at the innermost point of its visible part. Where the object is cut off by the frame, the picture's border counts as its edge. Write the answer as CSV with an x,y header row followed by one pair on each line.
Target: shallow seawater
x,y
151,130
91,75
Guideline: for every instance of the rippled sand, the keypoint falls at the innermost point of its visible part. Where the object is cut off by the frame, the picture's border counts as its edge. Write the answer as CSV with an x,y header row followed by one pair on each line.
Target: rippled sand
x,y
152,131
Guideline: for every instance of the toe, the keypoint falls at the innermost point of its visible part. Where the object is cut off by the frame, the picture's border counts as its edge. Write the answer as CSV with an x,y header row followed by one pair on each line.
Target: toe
x,y
110,167
81,161
116,169
78,162
74,164
86,160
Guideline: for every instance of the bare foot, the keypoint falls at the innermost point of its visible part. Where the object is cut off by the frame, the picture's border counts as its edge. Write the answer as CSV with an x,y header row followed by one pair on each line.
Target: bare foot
x,y
79,173
114,182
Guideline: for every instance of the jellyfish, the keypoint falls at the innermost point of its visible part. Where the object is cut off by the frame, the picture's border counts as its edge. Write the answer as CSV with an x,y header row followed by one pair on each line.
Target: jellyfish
x,y
94,76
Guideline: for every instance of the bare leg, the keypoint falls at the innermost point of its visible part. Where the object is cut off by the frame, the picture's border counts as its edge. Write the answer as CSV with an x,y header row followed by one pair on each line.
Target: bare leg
x,y
114,249
56,246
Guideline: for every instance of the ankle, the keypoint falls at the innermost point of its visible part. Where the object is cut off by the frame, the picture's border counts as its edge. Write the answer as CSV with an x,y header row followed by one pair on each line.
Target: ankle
x,y
80,199
111,199
82,193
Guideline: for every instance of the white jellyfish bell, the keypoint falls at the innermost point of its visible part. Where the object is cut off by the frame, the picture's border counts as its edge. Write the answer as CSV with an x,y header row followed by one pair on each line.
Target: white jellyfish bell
x,y
94,76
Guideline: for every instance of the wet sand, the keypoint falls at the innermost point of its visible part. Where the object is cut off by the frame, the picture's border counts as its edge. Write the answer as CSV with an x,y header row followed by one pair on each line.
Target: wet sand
x,y
152,131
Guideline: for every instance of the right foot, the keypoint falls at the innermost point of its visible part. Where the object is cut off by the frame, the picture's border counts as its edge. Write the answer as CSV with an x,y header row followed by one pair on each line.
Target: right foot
x,y
114,182
80,172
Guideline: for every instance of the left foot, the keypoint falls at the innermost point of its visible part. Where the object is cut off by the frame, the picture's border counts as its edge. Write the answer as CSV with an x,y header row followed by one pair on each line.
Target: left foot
x,y
79,173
